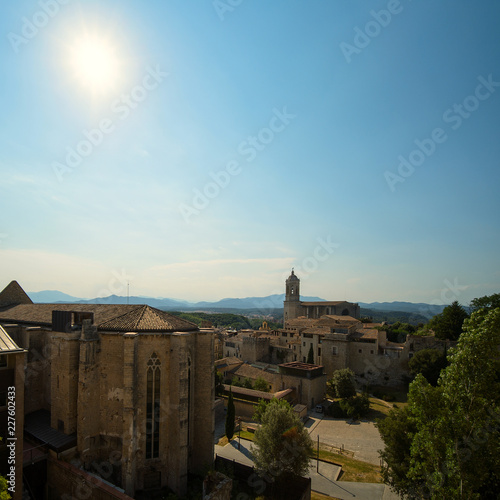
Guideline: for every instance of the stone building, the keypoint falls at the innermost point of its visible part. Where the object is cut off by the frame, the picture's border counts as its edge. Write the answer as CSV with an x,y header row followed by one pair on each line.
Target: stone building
x,y
12,359
307,381
128,386
293,307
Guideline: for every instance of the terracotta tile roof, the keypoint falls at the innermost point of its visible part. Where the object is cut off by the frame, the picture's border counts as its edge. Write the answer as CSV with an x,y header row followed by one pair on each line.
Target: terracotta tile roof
x,y
14,294
243,391
228,361
147,319
338,319
366,333
247,371
298,365
118,317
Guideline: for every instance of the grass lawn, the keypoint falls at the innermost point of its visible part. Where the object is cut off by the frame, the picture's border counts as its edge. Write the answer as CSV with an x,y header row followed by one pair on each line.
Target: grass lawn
x,y
319,496
352,470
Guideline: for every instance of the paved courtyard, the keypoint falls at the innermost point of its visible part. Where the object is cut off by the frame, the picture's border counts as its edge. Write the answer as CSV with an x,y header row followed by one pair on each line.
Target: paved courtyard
x,y
360,437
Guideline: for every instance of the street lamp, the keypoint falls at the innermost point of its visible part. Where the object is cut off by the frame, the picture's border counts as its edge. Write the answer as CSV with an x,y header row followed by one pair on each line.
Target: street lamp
x,y
239,432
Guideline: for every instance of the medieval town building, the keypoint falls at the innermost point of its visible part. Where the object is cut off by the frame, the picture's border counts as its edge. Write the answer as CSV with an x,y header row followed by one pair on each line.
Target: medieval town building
x,y
123,393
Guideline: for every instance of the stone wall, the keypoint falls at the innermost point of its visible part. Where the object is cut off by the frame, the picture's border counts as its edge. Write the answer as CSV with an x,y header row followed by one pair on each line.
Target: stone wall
x,y
67,481
256,349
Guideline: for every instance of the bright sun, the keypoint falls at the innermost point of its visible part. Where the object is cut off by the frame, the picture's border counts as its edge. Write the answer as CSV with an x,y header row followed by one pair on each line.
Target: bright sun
x,y
95,63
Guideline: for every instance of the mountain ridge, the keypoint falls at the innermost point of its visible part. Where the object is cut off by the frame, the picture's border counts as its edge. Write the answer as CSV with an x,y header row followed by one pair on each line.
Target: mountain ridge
x,y
268,302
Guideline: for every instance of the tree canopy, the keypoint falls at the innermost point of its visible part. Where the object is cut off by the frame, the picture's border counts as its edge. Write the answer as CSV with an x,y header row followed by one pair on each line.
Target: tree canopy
x,y
428,362
282,444
342,384
448,324
487,302
446,442
261,384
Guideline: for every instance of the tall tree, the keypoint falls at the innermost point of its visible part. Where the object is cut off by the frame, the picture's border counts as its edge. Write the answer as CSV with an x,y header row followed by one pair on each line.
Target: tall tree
x,y
446,443
282,446
448,324
230,416
310,355
428,362
342,384
486,302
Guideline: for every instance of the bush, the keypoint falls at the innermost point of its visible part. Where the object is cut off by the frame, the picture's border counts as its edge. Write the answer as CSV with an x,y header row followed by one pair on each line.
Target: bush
x,y
353,407
335,411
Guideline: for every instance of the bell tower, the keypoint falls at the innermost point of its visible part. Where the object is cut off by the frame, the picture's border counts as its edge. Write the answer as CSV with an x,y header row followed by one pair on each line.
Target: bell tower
x,y
292,305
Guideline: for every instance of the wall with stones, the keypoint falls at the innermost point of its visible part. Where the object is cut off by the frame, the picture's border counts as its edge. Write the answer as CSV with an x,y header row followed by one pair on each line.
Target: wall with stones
x,y
65,357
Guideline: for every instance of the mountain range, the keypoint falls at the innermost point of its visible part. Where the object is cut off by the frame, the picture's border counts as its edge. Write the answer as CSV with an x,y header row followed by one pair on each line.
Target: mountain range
x,y
252,303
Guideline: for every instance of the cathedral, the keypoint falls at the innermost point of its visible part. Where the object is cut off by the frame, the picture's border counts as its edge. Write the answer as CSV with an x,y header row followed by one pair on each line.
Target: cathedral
x,y
123,393
294,308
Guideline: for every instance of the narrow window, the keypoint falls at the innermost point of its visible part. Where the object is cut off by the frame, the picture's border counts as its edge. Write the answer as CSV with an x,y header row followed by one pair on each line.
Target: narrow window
x,y
153,408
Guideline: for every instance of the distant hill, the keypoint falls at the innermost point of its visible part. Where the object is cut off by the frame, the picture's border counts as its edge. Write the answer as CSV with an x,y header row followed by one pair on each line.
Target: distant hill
x,y
52,296
258,303
255,306
420,307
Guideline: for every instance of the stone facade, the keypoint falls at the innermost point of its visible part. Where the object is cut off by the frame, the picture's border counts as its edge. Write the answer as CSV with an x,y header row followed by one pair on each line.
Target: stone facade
x,y
135,384
12,360
293,307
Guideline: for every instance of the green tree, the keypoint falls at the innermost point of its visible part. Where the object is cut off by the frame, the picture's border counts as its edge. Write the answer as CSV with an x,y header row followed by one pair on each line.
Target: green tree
x,y
487,302
282,446
446,443
355,407
230,416
236,382
342,384
247,383
261,385
310,355
4,492
428,362
448,324
261,407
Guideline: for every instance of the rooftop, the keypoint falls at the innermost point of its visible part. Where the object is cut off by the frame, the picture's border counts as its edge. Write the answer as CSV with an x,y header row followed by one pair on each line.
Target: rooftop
x,y
14,294
298,365
7,345
107,317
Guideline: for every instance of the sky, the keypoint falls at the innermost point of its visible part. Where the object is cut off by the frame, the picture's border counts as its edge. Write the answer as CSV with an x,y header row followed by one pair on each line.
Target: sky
x,y
200,150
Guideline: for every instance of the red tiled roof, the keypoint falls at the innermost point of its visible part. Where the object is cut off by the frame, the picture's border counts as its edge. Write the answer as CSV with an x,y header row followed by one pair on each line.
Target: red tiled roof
x,y
118,317
147,319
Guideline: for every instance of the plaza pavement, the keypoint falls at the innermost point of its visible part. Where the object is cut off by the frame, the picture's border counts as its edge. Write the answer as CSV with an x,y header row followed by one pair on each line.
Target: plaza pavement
x,y
360,437
323,482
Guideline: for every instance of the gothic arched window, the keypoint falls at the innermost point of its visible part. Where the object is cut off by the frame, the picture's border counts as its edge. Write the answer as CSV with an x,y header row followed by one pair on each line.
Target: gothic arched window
x,y
153,407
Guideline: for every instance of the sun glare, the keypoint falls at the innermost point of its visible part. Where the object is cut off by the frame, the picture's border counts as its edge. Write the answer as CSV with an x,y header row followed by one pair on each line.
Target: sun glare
x,y
95,63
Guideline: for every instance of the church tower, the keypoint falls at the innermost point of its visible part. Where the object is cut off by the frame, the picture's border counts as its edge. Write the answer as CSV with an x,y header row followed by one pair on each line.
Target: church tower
x,y
292,304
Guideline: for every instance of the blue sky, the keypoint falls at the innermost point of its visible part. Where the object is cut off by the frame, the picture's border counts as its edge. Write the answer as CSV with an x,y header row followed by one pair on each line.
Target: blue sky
x,y
356,141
